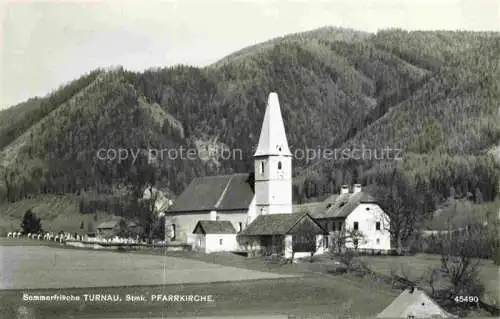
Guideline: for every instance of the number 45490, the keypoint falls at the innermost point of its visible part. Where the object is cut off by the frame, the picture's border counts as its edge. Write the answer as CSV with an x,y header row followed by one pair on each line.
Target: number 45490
x,y
466,299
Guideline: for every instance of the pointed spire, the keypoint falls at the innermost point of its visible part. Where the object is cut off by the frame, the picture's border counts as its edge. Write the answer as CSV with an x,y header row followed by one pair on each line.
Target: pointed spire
x,y
272,139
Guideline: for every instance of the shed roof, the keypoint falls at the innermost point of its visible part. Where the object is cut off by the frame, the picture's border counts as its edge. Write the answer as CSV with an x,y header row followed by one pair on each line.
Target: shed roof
x,y
276,224
215,227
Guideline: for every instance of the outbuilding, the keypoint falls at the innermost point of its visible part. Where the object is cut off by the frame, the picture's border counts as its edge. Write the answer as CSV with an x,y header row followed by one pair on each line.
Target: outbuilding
x,y
414,303
214,236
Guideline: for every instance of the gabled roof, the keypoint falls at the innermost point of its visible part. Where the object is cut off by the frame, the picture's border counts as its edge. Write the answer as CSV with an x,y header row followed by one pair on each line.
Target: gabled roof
x,y
223,192
115,222
335,206
272,139
415,303
108,224
214,227
276,224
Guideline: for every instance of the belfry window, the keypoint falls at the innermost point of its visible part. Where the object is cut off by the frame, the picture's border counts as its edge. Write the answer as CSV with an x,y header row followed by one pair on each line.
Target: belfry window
x,y
279,165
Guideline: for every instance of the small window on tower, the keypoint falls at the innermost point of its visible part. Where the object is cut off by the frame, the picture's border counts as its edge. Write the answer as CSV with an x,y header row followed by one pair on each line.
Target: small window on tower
x,y
279,165
262,167
356,225
377,225
240,225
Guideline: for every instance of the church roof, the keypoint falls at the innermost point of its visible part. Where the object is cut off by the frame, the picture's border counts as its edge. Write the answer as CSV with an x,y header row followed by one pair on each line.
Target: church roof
x,y
222,192
335,206
276,224
272,139
416,303
214,227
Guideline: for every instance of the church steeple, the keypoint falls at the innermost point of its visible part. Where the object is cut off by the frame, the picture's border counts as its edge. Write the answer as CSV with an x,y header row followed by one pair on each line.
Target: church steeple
x,y
272,139
273,164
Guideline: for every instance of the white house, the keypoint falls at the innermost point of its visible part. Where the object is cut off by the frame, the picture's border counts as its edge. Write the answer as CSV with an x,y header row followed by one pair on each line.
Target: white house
x,y
355,215
214,236
259,204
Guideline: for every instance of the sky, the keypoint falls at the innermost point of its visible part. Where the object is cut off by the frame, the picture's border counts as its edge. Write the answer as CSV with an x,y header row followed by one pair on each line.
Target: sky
x,y
45,44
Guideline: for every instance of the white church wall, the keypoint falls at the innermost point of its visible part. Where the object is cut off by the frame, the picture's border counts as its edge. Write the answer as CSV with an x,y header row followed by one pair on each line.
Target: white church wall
x,y
252,213
184,224
235,219
213,215
367,216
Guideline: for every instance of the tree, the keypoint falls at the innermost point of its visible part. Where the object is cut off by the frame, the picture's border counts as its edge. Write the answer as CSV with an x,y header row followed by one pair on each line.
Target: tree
x,y
407,205
90,227
478,196
123,230
459,262
159,228
31,223
339,239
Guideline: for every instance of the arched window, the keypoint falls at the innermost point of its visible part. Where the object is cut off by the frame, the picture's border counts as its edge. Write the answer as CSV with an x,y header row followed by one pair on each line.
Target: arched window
x,y
262,167
279,165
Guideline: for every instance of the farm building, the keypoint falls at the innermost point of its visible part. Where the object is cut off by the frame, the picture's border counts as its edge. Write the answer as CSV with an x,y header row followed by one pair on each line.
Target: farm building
x,y
349,212
116,226
282,234
249,200
414,303
214,236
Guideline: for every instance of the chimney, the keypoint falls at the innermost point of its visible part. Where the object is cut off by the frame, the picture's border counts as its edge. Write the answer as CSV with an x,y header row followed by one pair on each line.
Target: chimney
x,y
344,189
357,188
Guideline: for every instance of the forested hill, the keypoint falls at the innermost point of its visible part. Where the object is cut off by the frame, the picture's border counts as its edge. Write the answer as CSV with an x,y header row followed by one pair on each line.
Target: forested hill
x,y
435,95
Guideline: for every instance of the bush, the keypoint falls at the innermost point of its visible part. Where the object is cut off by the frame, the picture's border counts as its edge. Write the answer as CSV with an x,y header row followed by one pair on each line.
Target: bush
x,y
393,252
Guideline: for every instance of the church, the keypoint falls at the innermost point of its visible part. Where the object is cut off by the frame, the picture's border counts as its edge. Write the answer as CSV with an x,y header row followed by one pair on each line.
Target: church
x,y
253,212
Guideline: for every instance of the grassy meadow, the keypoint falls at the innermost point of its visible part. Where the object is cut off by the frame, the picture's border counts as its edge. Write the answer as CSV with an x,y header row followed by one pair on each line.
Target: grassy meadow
x,y
416,266
250,286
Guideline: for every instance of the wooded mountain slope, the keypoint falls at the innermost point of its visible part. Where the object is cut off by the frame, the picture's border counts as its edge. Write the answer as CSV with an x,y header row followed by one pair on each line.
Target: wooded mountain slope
x,y
434,95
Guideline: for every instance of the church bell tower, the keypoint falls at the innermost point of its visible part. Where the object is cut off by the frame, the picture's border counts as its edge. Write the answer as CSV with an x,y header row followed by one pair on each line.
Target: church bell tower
x,y
273,164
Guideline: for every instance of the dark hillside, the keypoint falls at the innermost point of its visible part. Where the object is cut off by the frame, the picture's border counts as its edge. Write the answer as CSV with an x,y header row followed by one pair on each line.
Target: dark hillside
x,y
433,94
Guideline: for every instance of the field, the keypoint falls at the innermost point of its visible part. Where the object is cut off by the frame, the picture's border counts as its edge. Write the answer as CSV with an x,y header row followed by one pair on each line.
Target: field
x,y
417,265
246,291
35,267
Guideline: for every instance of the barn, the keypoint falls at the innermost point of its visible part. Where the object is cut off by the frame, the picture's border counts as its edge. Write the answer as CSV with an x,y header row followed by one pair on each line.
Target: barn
x,y
214,236
282,234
